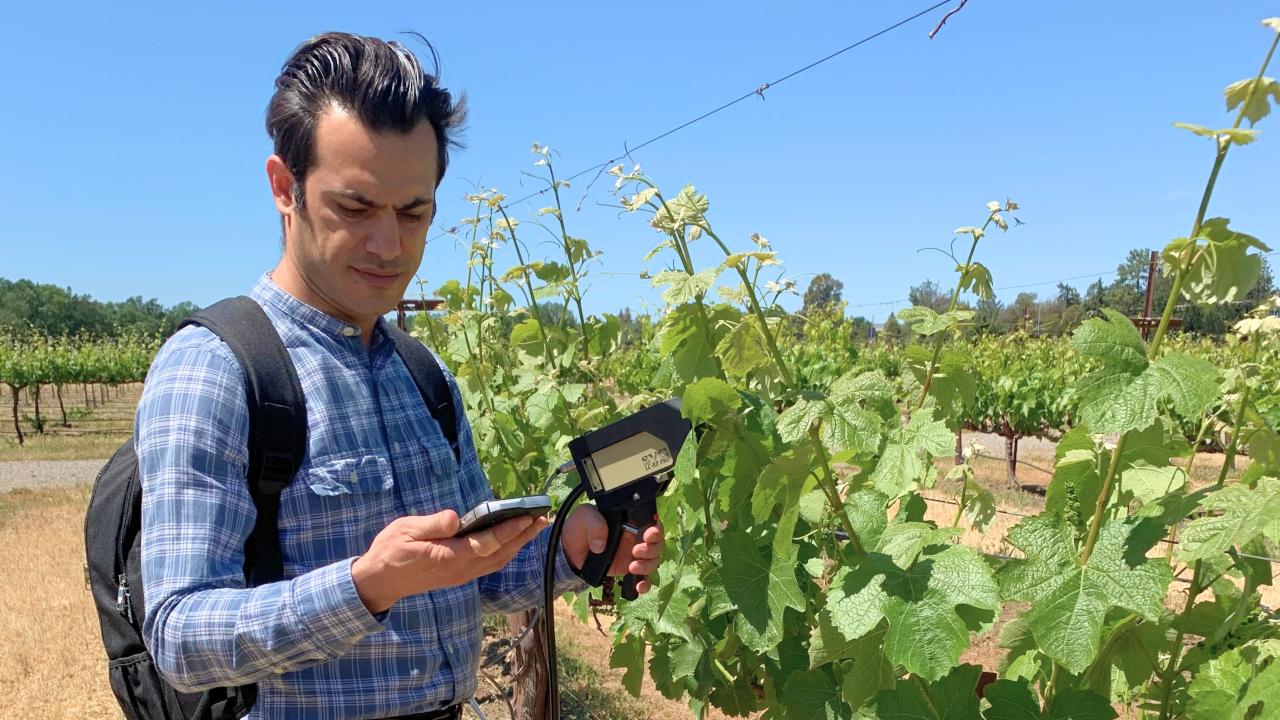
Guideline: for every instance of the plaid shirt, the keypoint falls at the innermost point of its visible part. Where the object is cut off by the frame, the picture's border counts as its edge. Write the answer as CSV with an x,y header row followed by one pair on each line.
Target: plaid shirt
x,y
374,453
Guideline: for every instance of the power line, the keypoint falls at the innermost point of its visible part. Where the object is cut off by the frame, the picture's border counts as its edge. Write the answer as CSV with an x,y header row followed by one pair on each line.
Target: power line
x,y
758,91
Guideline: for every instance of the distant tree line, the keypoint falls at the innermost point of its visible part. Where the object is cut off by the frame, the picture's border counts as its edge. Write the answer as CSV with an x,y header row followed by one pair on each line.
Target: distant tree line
x,y
50,310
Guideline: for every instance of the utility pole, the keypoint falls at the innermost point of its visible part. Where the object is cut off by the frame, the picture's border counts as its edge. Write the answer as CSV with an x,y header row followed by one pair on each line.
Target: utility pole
x,y
1146,323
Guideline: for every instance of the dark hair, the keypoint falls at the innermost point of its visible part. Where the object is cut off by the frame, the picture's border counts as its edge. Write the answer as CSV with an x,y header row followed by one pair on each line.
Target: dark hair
x,y
381,82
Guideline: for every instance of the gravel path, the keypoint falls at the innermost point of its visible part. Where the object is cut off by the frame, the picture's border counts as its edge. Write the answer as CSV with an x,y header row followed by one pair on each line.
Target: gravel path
x,y
47,473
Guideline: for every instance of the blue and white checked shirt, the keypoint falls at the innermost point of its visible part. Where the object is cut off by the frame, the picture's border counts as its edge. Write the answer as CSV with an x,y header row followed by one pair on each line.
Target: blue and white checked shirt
x,y
374,454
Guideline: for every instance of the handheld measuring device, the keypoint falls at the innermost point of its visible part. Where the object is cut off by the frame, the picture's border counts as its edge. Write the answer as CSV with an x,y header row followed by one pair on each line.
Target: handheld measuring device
x,y
624,468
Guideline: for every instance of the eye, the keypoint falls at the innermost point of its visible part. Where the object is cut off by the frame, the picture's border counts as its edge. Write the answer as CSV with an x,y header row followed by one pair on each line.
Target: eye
x,y
353,213
411,217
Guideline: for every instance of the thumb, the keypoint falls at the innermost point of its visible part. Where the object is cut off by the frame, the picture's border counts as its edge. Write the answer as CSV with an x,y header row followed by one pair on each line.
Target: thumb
x,y
597,529
437,526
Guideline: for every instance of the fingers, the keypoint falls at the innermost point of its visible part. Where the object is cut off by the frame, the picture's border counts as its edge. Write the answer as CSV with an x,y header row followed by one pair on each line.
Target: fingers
x,y
487,542
525,529
642,567
654,534
646,555
437,526
597,529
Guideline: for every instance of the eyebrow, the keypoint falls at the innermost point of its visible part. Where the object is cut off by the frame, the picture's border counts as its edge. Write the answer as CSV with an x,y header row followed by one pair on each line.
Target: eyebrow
x,y
354,196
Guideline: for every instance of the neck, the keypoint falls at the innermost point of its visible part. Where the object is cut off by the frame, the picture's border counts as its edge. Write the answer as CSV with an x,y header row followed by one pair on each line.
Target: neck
x,y
287,278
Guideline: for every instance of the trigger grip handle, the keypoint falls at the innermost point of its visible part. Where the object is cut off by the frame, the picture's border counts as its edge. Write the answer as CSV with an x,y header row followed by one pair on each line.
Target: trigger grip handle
x,y
596,566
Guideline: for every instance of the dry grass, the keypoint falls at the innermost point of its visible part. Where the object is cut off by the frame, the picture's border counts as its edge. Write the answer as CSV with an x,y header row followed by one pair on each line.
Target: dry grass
x,y
53,665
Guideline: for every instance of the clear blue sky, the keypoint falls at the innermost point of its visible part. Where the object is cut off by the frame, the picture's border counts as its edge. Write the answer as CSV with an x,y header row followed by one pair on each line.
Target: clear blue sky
x,y
133,143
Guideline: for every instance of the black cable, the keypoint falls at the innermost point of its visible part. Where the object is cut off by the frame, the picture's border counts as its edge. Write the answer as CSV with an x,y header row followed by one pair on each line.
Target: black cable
x,y
549,598
563,469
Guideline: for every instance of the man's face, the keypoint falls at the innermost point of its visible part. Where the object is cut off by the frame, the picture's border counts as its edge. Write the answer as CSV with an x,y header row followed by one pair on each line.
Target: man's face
x,y
369,200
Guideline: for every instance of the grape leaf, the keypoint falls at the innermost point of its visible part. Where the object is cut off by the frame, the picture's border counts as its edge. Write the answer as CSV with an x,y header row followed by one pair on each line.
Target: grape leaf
x,y
850,427
1148,482
1011,700
1123,393
1223,271
871,670
709,400
927,632
683,337
1245,513
903,542
952,385
743,349
924,321
674,666
683,287
976,277
1070,601
1226,688
1074,704
869,389
905,457
737,699
761,587
795,421
784,480
949,698
628,652
1258,107
812,695
1014,700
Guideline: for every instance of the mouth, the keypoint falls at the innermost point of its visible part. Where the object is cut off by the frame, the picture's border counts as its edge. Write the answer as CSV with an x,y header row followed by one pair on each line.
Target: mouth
x,y
377,278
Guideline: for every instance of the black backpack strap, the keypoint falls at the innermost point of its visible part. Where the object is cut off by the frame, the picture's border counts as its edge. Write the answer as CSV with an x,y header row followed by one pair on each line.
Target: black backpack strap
x,y
430,380
277,422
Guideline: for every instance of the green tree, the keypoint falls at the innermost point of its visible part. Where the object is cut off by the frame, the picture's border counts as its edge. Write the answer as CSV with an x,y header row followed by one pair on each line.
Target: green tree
x,y
861,330
1067,295
893,331
823,293
929,294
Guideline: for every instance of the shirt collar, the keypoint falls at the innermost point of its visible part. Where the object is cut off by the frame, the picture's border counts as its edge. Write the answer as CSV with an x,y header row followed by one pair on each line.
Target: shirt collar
x,y
267,291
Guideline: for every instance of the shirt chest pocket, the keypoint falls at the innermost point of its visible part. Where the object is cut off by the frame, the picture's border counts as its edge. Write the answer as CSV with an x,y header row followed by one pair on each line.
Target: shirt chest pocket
x,y
349,475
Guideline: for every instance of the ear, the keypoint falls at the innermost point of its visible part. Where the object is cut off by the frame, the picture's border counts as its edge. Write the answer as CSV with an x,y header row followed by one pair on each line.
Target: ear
x,y
281,180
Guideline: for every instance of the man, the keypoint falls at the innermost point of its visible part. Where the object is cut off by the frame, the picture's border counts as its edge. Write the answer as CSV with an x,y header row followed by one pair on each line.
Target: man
x,y
379,614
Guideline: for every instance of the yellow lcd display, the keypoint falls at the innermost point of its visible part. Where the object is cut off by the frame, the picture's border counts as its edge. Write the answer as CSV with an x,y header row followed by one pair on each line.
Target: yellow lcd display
x,y
623,462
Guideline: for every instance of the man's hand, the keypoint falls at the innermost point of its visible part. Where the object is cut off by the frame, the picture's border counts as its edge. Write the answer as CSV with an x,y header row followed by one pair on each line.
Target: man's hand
x,y
418,553
586,528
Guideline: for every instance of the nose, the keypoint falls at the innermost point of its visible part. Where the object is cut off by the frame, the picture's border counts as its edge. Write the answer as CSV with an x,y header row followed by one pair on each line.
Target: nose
x,y
384,236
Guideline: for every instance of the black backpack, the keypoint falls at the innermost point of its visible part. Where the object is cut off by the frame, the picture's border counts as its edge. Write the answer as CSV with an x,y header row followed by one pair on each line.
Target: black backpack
x,y
277,445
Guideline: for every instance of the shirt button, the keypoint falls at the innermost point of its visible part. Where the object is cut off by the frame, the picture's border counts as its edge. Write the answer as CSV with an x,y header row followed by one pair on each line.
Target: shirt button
x,y
395,446
350,331
413,511
354,476
278,671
